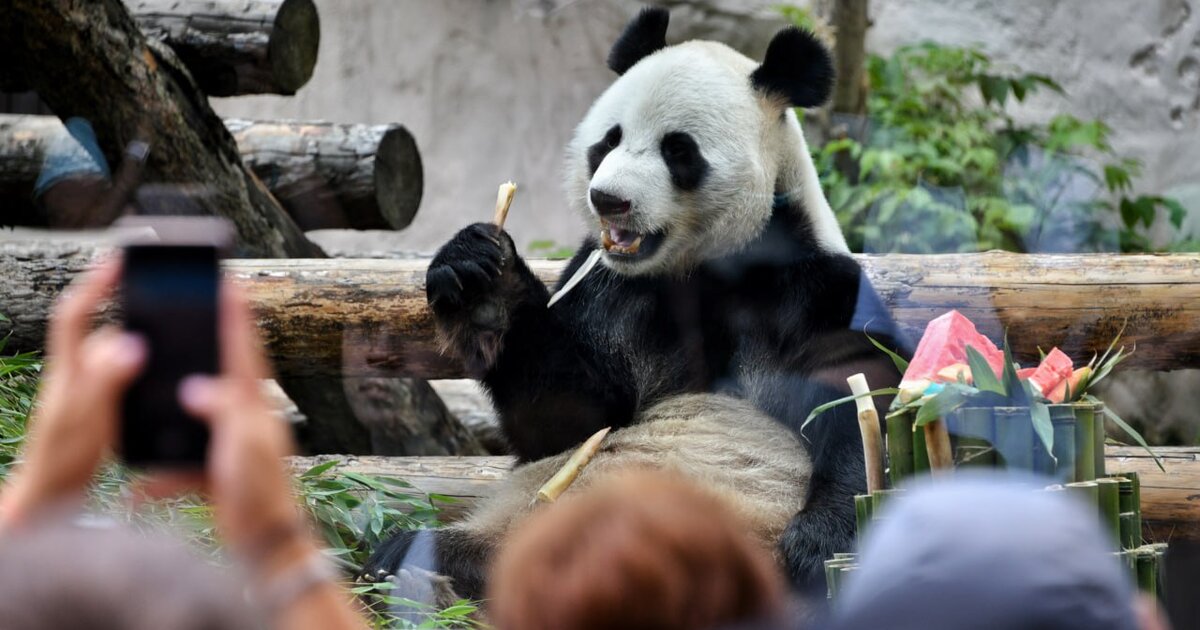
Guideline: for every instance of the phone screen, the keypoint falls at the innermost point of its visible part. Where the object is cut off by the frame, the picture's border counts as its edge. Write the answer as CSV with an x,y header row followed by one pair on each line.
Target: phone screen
x,y
169,295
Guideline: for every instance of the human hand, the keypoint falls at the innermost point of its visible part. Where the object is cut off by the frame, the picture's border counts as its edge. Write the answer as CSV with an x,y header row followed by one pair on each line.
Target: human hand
x,y
75,418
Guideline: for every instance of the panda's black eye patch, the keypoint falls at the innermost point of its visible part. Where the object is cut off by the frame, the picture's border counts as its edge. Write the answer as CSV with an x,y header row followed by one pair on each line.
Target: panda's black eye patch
x,y
682,156
597,152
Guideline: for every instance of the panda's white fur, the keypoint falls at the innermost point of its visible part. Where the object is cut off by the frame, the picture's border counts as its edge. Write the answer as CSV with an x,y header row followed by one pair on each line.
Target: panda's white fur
x,y
677,89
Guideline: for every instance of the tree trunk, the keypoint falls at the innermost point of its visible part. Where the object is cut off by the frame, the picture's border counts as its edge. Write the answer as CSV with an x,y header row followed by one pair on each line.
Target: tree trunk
x,y
307,308
1169,508
849,20
325,175
362,177
235,47
89,59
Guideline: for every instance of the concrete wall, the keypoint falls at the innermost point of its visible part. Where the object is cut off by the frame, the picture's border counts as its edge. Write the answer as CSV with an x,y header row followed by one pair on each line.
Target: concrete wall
x,y
493,88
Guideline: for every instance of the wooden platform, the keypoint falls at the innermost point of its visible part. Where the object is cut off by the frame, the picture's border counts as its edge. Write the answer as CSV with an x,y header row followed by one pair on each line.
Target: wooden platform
x,y
1170,501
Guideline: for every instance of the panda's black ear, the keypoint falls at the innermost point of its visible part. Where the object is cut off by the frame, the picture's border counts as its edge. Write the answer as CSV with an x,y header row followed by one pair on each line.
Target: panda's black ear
x,y
644,35
797,68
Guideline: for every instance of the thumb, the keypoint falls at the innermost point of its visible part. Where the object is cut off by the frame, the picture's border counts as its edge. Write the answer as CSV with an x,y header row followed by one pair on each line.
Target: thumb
x,y
112,359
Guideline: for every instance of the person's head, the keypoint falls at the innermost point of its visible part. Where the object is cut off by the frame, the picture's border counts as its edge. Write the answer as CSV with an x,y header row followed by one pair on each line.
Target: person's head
x,y
643,551
986,553
62,576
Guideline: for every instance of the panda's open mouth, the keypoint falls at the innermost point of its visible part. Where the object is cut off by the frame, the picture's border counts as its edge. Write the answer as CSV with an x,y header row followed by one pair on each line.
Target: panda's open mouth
x,y
627,244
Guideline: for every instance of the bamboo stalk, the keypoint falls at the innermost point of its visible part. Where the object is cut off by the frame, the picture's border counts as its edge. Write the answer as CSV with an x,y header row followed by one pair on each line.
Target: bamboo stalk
x,y
1015,437
899,447
1098,436
558,484
920,451
1086,491
1062,417
937,443
504,198
1130,529
1128,505
868,426
862,513
1110,507
1085,442
976,431
1147,571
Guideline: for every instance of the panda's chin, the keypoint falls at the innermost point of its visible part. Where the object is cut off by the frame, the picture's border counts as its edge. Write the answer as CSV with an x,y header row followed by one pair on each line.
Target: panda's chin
x,y
631,248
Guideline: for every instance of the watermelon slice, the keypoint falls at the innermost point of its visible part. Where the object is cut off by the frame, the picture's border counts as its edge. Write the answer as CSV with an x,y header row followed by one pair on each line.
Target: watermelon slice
x,y
1055,369
945,343
1059,393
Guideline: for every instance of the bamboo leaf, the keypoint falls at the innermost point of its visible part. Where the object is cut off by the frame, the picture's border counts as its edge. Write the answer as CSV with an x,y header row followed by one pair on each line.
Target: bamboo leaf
x,y
942,403
820,409
317,470
1013,388
1040,416
1133,434
985,379
899,361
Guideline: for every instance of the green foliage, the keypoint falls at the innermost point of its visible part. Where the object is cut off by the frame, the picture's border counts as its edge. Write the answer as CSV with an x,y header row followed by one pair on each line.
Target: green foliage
x,y
353,512
947,168
550,249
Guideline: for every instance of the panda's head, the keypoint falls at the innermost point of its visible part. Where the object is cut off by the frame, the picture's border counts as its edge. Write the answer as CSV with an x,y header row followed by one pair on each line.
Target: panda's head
x,y
681,159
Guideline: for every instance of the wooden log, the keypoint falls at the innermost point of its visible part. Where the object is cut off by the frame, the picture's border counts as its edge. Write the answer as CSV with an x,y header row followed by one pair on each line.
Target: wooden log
x,y
325,175
1075,302
362,177
1170,500
90,60
235,47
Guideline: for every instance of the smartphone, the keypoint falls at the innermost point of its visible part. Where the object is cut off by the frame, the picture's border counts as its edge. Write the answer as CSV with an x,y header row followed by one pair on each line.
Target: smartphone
x,y
169,295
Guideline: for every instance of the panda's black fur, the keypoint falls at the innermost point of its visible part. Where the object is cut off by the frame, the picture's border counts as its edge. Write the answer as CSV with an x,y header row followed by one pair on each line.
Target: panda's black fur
x,y
773,324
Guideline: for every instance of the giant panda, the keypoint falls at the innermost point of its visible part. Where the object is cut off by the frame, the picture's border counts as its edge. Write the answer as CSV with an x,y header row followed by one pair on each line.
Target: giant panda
x,y
725,308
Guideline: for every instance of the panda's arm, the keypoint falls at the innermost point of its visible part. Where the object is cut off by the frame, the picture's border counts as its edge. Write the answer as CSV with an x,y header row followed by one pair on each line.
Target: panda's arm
x,y
550,385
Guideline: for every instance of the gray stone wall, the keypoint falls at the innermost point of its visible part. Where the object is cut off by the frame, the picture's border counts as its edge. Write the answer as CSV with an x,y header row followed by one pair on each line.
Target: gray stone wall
x,y
493,88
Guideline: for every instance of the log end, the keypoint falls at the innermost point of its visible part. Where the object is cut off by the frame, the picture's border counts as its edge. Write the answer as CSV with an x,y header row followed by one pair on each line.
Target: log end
x,y
399,177
295,39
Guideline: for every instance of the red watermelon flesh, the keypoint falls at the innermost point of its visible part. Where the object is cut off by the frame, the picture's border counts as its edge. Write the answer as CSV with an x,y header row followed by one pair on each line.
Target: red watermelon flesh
x,y
945,343
1055,368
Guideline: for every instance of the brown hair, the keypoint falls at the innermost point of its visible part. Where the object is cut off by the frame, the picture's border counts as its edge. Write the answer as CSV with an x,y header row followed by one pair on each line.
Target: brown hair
x,y
643,551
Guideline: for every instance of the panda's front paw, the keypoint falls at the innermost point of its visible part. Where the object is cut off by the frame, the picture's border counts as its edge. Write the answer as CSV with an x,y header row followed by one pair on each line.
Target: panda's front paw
x,y
471,290
465,271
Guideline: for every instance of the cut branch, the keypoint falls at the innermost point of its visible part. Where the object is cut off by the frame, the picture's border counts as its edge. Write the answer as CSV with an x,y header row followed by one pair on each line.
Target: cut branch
x,y
235,47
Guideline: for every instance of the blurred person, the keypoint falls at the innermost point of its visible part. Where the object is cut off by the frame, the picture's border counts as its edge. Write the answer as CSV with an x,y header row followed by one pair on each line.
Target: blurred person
x,y
642,551
76,422
986,552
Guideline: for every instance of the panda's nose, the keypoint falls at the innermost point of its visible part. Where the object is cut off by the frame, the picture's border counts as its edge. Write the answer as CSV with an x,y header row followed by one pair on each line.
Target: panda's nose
x,y
607,205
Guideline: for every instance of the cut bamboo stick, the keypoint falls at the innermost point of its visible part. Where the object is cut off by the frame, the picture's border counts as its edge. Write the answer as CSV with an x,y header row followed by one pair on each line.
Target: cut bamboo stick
x,y
1062,417
1015,437
1147,571
868,427
862,513
976,432
1110,507
920,451
899,447
937,443
504,198
1086,491
1130,530
1085,442
558,484
1098,436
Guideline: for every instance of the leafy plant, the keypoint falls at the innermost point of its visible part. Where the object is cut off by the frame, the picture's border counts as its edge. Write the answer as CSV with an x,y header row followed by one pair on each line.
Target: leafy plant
x,y
946,168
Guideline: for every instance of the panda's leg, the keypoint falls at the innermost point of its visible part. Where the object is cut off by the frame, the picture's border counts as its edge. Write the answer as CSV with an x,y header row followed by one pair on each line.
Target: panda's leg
x,y
433,566
826,524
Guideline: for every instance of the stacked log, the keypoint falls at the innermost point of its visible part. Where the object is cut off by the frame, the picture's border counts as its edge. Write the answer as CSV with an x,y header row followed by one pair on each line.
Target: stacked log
x,y
325,175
